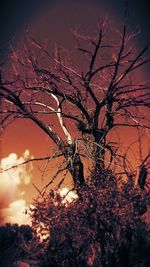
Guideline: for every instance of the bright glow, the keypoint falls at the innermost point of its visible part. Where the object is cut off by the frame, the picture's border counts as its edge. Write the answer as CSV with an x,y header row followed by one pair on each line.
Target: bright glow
x,y
16,213
12,202
17,175
68,196
42,232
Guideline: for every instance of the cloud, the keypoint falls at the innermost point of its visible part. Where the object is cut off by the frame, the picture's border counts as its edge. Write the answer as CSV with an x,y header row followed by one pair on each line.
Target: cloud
x,y
69,195
16,213
12,202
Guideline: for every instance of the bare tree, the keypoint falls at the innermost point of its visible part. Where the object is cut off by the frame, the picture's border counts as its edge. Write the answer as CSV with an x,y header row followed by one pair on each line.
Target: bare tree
x,y
80,108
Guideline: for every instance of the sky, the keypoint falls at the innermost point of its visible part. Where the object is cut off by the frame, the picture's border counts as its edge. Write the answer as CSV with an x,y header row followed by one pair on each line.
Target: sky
x,y
54,19
17,14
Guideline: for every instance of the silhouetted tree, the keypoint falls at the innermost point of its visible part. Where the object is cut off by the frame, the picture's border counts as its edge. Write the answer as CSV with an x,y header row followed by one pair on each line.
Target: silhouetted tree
x,y
13,242
99,229
79,108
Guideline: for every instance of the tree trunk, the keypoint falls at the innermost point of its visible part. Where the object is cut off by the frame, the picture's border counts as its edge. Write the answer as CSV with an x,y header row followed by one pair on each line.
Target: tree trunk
x,y
75,166
99,153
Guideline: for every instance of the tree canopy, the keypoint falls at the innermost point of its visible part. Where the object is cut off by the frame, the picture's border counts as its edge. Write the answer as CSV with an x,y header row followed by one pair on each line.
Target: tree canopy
x,y
99,229
80,103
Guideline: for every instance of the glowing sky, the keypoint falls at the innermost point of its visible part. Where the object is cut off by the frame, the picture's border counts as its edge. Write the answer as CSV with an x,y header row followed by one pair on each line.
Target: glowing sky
x,y
12,202
52,20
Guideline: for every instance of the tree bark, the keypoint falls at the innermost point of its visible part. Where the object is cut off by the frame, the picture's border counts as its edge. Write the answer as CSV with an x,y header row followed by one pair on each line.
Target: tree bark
x,y
75,165
99,152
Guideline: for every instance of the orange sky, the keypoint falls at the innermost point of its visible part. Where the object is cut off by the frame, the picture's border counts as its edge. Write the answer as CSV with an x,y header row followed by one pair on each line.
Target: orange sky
x,y
55,23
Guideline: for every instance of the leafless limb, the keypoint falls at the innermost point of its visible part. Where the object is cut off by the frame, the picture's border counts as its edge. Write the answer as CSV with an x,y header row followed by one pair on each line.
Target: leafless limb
x,y
87,105
55,155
